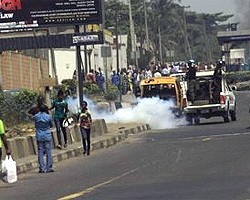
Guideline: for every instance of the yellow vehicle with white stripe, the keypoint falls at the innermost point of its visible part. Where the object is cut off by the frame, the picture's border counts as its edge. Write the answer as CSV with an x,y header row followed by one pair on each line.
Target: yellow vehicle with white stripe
x,y
166,88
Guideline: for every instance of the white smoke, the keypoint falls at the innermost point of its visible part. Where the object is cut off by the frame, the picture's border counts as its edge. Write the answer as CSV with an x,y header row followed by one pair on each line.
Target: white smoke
x,y
153,111
243,13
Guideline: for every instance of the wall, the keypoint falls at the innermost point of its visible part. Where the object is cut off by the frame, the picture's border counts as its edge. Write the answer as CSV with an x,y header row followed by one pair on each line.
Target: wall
x,y
18,71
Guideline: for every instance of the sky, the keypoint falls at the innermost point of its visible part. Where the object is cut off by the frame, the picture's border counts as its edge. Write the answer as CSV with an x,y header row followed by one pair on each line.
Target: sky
x,y
239,8
211,6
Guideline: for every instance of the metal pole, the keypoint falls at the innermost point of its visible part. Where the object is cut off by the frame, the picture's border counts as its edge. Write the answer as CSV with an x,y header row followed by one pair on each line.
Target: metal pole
x,y
117,44
132,32
146,24
160,45
186,35
85,54
53,61
89,54
79,69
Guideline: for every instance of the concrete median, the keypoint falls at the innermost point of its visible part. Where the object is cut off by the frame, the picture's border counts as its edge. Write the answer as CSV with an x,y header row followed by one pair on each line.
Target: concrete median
x,y
24,149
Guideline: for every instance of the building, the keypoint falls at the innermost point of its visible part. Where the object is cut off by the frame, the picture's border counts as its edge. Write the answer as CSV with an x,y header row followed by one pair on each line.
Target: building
x,y
97,56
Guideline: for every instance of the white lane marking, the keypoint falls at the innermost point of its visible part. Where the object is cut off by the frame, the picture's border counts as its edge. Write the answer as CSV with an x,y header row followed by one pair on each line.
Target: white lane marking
x,y
206,138
93,188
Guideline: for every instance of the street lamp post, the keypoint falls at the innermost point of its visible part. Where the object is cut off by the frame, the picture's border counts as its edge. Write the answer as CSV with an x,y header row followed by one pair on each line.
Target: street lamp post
x,y
132,34
185,33
146,24
117,43
79,70
160,43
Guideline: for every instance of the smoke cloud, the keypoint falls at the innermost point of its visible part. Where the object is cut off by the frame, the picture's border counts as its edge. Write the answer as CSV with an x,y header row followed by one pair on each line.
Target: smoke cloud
x,y
243,13
153,111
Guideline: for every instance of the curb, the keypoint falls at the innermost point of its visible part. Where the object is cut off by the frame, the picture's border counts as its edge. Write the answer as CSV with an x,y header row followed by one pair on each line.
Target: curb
x,y
99,142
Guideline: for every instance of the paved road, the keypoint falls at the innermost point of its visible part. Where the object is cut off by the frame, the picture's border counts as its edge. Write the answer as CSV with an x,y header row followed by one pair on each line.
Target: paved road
x,y
210,162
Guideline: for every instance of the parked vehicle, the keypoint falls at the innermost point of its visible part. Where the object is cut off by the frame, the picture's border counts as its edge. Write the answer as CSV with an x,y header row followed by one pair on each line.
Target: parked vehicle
x,y
166,88
206,104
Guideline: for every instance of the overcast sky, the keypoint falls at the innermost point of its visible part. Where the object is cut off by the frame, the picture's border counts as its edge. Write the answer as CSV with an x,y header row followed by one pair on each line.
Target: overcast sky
x,y
211,6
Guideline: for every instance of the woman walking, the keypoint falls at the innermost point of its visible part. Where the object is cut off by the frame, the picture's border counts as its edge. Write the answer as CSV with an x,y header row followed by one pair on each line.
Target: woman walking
x,y
85,127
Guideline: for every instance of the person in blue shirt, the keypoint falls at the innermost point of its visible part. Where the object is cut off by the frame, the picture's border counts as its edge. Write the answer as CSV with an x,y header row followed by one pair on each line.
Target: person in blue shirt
x,y
60,113
43,124
100,80
115,79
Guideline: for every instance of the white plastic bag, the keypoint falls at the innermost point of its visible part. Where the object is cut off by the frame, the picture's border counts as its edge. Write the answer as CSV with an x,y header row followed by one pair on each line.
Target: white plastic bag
x,y
9,171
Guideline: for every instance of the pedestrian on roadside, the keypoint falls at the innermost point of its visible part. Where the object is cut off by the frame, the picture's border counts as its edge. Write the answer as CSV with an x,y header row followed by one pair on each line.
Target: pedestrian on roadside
x,y
36,107
100,80
115,79
43,124
3,140
60,113
85,121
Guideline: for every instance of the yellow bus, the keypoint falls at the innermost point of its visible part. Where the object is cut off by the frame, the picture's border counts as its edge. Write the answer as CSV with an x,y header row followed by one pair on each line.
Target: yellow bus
x,y
166,88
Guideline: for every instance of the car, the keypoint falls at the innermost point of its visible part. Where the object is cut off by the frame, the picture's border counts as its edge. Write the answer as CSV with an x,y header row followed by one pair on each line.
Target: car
x,y
206,105
12,92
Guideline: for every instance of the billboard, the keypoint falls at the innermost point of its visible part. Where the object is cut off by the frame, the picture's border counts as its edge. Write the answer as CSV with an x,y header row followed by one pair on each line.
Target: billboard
x,y
50,41
29,14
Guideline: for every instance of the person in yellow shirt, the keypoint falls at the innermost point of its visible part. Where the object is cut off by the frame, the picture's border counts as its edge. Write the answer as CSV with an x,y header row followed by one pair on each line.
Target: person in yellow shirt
x,y
3,140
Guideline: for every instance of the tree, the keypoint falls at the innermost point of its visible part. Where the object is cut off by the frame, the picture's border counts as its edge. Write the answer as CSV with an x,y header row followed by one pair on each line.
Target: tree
x,y
170,26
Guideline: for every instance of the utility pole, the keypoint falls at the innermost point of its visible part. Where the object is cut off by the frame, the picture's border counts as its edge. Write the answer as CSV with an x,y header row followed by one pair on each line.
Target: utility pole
x,y
79,70
146,24
117,43
206,42
160,42
85,54
132,33
185,33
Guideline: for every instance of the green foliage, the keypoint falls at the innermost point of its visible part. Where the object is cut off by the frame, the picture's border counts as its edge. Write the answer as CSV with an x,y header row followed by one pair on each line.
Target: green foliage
x,y
112,93
90,88
69,83
200,28
14,106
116,12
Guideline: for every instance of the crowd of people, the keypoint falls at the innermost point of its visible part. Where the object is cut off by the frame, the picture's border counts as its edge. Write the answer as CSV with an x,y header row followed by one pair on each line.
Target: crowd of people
x,y
128,79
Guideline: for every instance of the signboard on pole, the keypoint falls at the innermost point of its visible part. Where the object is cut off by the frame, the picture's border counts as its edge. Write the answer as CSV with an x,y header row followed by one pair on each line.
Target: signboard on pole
x,y
28,14
106,51
88,38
